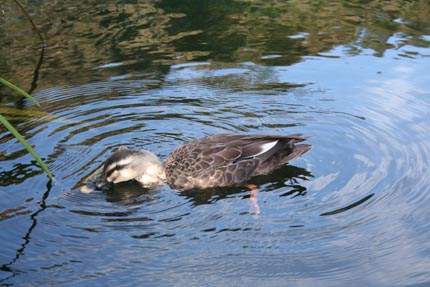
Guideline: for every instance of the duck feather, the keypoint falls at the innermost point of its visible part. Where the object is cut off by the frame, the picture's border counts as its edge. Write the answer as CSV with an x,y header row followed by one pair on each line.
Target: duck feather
x,y
228,159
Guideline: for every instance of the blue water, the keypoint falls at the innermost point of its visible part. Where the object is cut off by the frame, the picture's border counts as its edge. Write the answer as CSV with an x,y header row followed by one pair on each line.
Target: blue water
x,y
154,75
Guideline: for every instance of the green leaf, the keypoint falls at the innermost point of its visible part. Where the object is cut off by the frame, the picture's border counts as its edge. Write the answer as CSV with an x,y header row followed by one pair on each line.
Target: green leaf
x,y
19,90
19,137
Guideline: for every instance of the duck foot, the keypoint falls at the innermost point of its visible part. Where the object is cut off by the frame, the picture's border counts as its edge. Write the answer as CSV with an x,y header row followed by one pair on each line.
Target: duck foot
x,y
255,208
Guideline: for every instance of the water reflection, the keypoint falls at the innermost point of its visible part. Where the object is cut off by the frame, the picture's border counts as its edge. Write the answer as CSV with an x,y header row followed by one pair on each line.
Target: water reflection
x,y
131,193
284,177
157,74
8,267
19,173
127,38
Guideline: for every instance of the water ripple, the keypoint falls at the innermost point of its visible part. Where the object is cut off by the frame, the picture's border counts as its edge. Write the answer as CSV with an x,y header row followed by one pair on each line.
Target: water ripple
x,y
354,199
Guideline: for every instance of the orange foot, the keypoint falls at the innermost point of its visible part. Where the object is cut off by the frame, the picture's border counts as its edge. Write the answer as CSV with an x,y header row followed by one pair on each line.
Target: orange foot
x,y
254,200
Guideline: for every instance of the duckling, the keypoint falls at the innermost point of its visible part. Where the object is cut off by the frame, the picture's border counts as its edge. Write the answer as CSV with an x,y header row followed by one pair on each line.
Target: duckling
x,y
213,161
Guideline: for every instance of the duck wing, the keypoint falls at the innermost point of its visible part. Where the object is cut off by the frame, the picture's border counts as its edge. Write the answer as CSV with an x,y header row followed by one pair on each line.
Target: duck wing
x,y
228,159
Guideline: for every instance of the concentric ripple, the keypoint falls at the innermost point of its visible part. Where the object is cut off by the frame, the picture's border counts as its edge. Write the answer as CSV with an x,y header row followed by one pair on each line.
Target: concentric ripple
x,y
342,213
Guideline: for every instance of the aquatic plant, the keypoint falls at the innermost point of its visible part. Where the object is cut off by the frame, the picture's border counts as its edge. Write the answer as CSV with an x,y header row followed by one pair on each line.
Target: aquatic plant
x,y
15,132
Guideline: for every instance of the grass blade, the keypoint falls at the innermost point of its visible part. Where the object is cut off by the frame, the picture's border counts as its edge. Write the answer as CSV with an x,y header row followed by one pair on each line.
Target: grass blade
x,y
21,139
19,90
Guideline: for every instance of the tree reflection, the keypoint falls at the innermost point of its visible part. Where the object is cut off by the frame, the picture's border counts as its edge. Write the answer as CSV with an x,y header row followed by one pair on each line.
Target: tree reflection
x,y
156,34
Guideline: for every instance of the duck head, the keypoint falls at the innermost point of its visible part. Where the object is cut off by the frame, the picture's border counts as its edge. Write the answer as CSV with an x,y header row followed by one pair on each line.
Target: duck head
x,y
129,164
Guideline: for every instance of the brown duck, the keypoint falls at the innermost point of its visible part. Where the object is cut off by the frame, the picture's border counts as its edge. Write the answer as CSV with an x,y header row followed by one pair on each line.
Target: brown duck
x,y
213,161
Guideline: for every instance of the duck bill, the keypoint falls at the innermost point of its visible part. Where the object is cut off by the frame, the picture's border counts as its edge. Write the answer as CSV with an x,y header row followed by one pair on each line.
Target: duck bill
x,y
101,183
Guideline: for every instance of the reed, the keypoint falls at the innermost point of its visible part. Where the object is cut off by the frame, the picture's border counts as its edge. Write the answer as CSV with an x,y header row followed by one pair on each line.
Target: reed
x,y
15,132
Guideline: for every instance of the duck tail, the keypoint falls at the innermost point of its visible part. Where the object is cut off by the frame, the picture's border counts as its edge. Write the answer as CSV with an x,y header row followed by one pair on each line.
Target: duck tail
x,y
298,150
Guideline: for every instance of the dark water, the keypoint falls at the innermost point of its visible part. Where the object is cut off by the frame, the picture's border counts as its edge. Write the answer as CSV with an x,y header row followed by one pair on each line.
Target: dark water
x,y
155,74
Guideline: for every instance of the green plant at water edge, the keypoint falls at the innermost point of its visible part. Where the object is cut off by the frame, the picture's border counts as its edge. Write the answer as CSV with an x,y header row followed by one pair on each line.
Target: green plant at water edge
x,y
16,134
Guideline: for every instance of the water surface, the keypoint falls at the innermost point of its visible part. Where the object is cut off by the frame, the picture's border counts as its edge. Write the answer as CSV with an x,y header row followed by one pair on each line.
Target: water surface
x,y
156,74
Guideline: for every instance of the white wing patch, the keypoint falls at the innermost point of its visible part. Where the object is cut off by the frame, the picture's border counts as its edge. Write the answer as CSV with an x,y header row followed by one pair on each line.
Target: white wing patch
x,y
266,147
263,149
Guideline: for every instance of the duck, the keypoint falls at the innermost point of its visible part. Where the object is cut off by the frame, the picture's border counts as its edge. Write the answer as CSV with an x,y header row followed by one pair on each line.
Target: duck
x,y
213,161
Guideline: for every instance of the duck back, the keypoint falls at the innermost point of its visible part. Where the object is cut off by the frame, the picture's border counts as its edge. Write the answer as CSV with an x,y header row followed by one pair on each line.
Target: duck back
x,y
229,159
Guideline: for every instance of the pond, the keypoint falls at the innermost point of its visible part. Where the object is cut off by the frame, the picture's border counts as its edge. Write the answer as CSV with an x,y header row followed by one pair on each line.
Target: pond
x,y
156,74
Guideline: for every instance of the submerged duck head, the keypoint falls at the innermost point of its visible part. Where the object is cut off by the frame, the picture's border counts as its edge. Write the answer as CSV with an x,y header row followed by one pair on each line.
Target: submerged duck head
x,y
126,164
